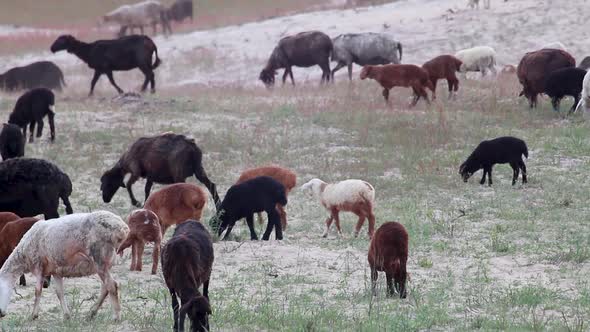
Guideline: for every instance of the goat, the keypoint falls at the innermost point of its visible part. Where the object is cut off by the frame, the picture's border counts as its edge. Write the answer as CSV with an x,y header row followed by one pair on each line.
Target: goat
x,y
31,108
12,142
564,82
390,76
42,74
388,252
144,226
443,67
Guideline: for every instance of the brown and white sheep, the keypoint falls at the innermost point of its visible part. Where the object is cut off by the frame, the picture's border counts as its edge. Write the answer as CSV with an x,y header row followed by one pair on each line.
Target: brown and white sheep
x,y
354,196
391,75
443,67
176,203
144,226
388,252
10,235
283,175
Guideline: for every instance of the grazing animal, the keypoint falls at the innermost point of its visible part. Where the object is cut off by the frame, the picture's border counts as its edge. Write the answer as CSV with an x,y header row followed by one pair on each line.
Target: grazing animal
x,y
106,56
180,10
479,58
176,203
564,82
388,252
144,226
356,196
77,245
584,103
10,235
187,260
585,63
390,76
500,150
365,49
42,74
304,49
242,200
12,142
285,176
165,159
534,68
6,217
29,187
138,15
443,67
31,108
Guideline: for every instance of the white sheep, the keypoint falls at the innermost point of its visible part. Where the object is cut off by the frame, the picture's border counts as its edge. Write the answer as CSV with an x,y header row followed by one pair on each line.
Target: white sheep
x,y
138,15
479,58
584,103
555,45
356,196
76,245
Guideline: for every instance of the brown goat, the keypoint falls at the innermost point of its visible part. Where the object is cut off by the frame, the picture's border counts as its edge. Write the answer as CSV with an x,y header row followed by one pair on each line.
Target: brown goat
x,y
443,67
144,226
391,75
187,260
283,175
10,236
388,252
177,203
6,217
535,67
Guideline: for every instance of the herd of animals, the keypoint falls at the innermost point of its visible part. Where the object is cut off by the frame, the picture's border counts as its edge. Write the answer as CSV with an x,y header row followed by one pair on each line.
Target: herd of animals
x,y
83,244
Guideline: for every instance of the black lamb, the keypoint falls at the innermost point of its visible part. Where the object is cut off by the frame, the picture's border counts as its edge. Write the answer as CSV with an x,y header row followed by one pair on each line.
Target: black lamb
x,y
31,108
500,150
12,142
242,200
564,82
29,187
42,74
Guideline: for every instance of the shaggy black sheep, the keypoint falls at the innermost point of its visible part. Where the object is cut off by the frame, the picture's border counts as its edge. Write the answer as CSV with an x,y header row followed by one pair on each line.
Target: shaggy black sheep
x,y
564,82
29,187
242,200
187,260
42,74
501,150
12,142
31,108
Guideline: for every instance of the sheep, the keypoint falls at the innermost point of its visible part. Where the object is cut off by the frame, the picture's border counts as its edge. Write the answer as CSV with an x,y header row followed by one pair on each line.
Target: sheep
x,y
12,142
285,176
180,10
479,58
365,49
242,200
555,45
534,68
584,103
304,49
77,245
31,108
10,235
388,252
356,196
106,56
166,159
585,63
138,15
144,226
187,261
42,74
500,150
29,187
443,67
390,76
564,82
176,203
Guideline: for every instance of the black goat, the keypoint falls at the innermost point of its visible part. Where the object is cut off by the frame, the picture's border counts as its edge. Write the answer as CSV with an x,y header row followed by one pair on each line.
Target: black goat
x,y
29,187
42,74
187,260
106,56
31,108
564,82
12,142
500,150
180,10
242,200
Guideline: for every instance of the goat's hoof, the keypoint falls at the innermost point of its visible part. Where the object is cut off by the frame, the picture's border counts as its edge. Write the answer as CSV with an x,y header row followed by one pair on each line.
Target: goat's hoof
x,y
34,316
325,235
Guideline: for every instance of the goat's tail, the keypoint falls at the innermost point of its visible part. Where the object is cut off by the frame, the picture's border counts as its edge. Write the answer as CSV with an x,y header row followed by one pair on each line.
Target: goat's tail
x,y
525,151
157,62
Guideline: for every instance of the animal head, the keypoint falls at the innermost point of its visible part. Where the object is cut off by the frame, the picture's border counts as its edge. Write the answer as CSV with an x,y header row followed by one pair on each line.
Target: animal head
x,y
110,182
468,168
315,185
5,294
198,311
366,72
221,221
267,76
63,42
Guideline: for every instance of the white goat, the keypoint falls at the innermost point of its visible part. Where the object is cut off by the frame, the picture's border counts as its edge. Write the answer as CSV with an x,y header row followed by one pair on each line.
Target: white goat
x,y
76,245
356,196
479,58
138,15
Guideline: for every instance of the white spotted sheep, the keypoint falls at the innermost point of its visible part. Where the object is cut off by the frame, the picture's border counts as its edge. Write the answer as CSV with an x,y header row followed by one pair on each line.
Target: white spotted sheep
x,y
479,58
144,226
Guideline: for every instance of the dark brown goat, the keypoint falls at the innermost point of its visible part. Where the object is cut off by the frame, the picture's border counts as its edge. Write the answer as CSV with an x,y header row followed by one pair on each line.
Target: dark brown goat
x,y
443,67
165,159
10,236
304,49
388,252
187,259
390,76
144,226
535,67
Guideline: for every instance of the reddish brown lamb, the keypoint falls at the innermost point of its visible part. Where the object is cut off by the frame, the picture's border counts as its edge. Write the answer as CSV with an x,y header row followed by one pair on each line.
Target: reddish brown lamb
x,y
144,226
388,252
391,75
443,67
10,236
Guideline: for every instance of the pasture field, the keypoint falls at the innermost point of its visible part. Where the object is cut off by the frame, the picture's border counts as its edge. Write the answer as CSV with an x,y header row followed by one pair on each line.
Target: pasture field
x,y
489,258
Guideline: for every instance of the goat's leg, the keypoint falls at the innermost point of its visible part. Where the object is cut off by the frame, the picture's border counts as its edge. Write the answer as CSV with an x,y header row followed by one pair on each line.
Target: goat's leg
x,y
325,66
132,179
359,225
283,216
328,224
133,256
156,256
371,218
40,125
374,277
555,103
32,131
349,72
337,68
434,81
50,119
112,80
58,284
424,94
385,94
250,222
490,176
523,168
95,78
140,248
390,288
148,188
483,178
277,224
227,232
336,215
515,171
291,76
24,128
273,221
38,290
175,308
110,288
